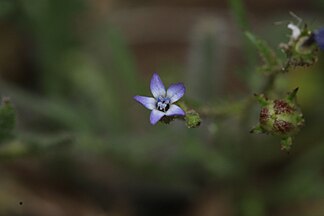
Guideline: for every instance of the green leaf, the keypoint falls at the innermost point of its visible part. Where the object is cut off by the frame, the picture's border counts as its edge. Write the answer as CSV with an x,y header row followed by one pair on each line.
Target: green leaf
x,y
257,130
261,99
239,11
269,57
286,143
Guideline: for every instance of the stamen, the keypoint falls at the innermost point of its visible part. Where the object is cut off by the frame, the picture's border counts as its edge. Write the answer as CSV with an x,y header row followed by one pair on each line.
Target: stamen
x,y
163,104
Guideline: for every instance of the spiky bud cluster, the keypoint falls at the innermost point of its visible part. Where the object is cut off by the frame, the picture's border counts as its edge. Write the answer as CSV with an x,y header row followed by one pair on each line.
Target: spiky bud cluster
x,y
280,117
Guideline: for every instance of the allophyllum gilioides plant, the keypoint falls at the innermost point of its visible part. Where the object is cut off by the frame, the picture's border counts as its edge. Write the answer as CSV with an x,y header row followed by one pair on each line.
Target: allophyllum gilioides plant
x,y
279,116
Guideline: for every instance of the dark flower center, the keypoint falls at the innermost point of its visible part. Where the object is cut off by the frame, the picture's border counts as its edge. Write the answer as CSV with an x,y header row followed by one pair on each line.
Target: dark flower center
x,y
163,104
309,41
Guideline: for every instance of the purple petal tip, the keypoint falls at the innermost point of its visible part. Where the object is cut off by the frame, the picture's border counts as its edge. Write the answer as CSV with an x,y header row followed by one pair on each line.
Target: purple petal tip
x,y
176,91
175,110
147,102
156,115
157,86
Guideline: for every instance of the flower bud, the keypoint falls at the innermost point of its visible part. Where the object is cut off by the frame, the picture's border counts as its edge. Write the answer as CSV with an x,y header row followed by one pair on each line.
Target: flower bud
x,y
280,117
193,119
301,50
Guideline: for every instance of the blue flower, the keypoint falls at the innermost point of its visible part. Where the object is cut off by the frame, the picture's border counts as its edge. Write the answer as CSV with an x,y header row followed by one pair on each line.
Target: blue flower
x,y
319,37
162,102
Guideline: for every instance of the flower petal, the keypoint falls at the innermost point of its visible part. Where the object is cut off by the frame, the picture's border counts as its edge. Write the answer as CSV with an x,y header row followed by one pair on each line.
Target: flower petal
x,y
175,110
319,38
148,102
295,31
157,87
176,91
156,115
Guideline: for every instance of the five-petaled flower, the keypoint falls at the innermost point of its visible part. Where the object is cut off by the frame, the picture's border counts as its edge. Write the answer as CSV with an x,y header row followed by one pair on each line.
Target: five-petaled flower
x,y
162,102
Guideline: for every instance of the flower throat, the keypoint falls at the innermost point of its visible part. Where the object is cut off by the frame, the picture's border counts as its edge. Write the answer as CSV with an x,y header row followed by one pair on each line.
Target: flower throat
x,y
163,104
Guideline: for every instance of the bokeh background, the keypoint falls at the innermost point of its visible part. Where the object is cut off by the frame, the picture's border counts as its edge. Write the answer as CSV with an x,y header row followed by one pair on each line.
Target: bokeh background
x,y
82,146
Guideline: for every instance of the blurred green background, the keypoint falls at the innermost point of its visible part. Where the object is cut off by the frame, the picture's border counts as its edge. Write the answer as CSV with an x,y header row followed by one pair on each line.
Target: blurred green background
x,y
82,146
